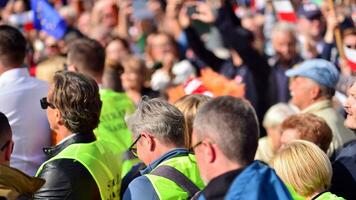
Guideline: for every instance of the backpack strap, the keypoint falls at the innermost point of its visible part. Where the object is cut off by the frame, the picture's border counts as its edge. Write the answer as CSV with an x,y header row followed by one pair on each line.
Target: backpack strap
x,y
178,177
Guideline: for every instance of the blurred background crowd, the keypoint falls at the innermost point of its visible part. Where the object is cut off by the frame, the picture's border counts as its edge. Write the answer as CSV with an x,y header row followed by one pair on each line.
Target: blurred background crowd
x,y
157,47
284,57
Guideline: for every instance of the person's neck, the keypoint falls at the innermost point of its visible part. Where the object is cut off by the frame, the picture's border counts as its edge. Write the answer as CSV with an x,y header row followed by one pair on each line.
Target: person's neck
x,y
221,167
5,69
161,150
63,132
312,102
134,95
3,160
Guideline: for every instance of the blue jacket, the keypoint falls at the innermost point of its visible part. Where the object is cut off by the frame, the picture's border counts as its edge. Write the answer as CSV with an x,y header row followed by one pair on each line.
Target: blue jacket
x,y
141,187
257,182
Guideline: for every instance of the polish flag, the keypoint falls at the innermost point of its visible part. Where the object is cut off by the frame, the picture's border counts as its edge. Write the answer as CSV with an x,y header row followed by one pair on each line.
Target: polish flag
x,y
195,86
350,55
285,11
24,20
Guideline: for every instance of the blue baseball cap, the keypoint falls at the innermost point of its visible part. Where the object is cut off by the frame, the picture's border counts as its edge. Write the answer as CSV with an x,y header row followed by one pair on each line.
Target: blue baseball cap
x,y
319,70
309,11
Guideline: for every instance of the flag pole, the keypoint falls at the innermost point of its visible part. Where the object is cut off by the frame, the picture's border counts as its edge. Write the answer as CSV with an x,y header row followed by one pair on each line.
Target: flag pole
x,y
337,32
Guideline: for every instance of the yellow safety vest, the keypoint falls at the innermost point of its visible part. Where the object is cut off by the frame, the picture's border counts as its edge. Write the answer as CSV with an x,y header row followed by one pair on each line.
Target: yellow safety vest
x,y
101,162
112,128
167,189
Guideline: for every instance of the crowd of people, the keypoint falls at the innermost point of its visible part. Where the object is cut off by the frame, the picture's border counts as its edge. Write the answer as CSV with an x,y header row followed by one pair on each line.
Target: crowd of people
x,y
177,99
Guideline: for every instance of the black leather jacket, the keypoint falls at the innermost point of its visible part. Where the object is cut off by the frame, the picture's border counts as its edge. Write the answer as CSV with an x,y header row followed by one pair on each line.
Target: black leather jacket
x,y
67,178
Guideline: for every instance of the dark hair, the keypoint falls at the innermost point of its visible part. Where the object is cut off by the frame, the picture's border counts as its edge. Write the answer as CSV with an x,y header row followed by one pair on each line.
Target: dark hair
x,y
311,128
88,56
12,46
349,31
232,124
5,129
123,41
77,97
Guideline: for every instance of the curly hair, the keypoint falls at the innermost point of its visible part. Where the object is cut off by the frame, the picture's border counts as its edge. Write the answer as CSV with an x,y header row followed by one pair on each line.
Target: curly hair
x,y
77,98
311,127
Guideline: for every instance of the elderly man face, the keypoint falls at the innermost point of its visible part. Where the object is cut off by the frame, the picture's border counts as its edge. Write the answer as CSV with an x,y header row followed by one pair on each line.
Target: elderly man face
x,y
284,44
350,108
300,89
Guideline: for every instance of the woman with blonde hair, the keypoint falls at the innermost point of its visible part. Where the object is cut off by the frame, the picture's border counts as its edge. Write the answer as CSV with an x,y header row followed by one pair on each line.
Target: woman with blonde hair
x,y
189,105
306,169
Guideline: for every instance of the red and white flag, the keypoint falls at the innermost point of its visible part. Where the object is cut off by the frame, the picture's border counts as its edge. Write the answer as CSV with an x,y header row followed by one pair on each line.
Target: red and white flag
x,y
196,86
24,20
285,11
350,55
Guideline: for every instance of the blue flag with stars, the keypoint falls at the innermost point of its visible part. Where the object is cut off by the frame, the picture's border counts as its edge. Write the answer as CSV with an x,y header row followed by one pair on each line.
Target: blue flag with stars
x,y
47,19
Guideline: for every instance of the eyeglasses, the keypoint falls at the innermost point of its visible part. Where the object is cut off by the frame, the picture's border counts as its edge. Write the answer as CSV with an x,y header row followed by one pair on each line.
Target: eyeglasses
x,y
132,148
45,104
191,149
5,145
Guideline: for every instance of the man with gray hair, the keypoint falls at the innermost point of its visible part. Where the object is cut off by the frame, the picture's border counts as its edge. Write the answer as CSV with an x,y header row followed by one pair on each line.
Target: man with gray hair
x,y
312,86
284,43
225,138
171,172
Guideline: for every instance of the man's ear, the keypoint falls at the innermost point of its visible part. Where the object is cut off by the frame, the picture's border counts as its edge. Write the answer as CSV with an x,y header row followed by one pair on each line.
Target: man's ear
x,y
149,140
8,151
210,151
59,119
315,92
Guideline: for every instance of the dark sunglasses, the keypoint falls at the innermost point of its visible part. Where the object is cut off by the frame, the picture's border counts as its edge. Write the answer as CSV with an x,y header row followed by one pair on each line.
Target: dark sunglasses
x,y
132,148
45,104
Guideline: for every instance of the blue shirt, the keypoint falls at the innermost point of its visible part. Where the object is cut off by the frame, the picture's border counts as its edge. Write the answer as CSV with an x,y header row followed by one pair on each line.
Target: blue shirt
x,y
141,187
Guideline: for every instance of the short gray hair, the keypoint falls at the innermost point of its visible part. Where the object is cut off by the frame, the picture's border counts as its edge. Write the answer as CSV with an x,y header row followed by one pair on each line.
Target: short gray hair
x,y
277,114
159,118
285,28
232,124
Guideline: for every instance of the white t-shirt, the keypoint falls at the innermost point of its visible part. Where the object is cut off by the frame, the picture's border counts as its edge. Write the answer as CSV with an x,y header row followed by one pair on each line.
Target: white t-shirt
x,y
20,96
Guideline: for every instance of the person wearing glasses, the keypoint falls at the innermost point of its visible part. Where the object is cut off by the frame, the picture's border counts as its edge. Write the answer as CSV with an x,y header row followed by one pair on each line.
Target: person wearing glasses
x,y
14,184
225,138
80,167
19,94
171,173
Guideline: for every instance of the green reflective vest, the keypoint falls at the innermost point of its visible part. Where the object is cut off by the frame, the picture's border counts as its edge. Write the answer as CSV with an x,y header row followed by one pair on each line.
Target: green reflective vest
x,y
100,161
112,128
167,189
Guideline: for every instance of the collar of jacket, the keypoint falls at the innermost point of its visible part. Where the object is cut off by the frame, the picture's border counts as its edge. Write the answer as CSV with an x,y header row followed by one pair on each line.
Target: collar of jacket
x,y
173,153
315,107
76,138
